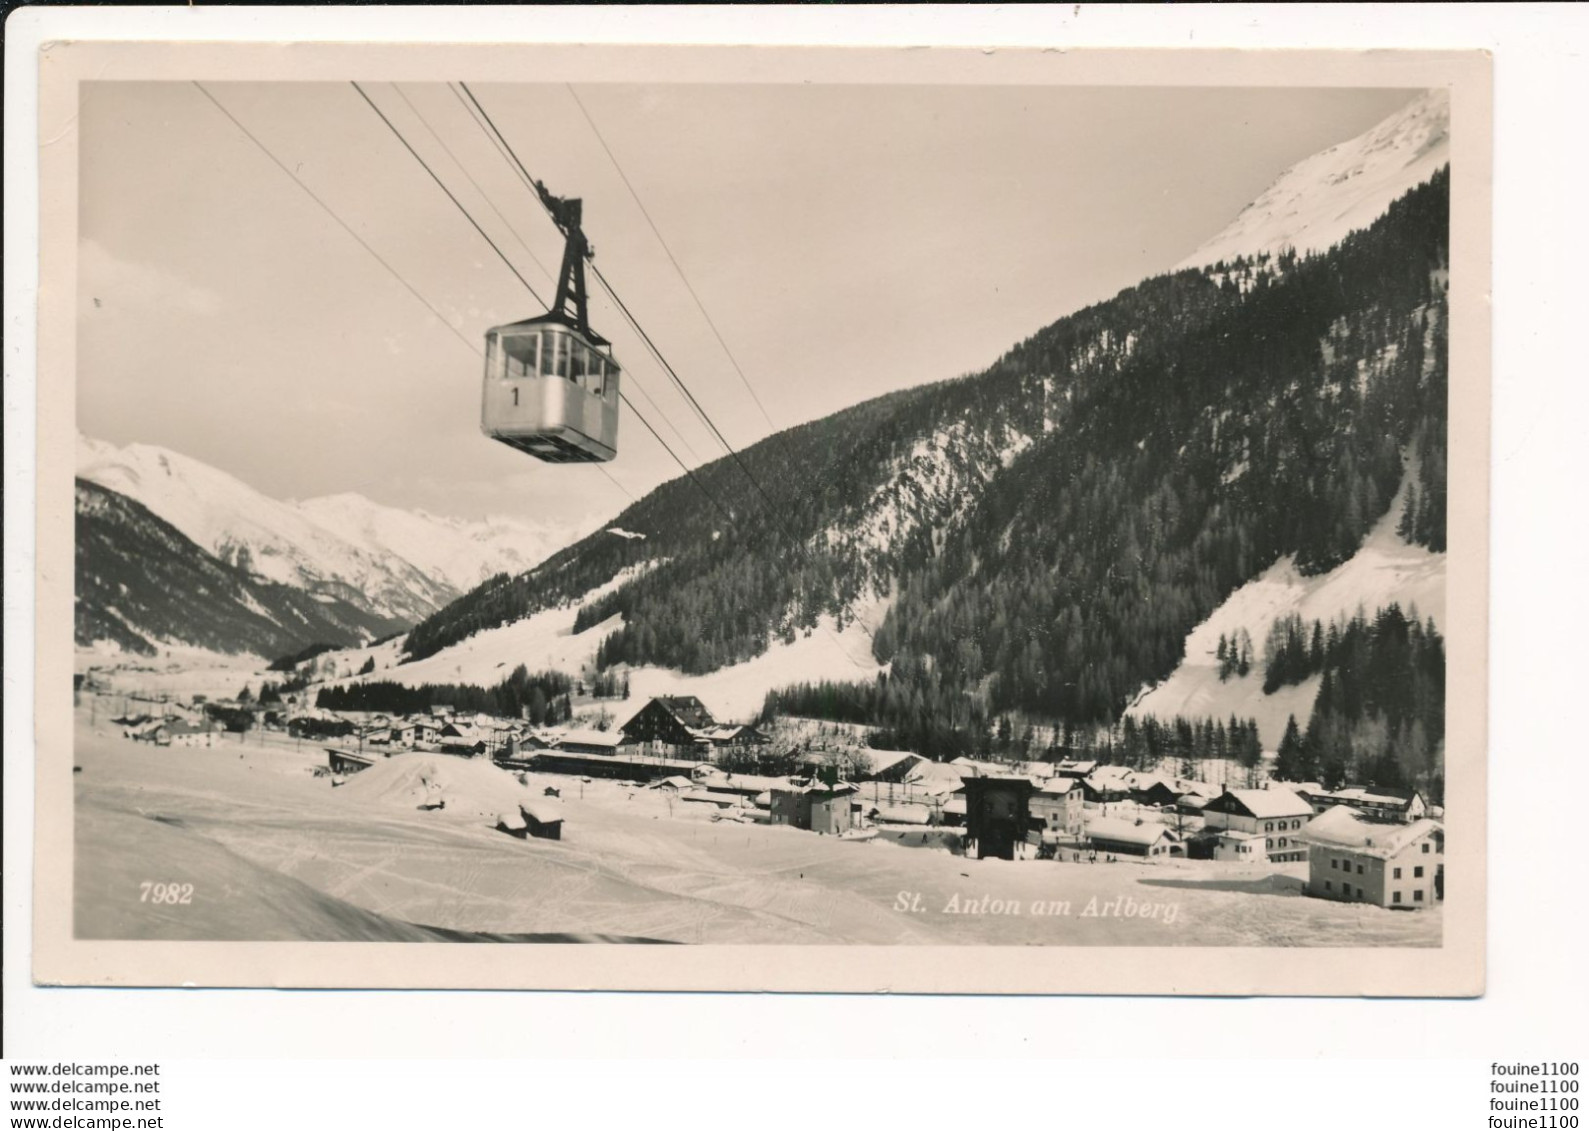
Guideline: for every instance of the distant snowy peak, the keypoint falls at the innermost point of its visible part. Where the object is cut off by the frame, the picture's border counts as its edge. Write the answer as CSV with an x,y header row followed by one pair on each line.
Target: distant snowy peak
x,y
268,539
460,552
385,561
1323,198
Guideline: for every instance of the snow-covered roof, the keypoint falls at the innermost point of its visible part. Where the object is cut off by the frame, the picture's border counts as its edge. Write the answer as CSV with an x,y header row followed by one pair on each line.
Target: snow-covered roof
x,y
590,738
1072,767
1268,803
1385,796
1127,832
674,783
1057,787
541,811
1345,827
881,760
1108,778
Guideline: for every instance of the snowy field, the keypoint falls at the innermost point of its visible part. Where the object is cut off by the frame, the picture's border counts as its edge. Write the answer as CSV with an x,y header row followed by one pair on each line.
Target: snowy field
x,y
546,641
274,852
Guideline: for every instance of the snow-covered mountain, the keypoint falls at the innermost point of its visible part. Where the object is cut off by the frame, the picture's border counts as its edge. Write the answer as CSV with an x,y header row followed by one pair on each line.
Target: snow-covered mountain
x,y
452,550
1322,198
385,562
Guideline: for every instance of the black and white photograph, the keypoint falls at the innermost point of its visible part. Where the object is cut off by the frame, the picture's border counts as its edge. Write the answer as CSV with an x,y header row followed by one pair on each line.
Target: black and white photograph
x,y
688,505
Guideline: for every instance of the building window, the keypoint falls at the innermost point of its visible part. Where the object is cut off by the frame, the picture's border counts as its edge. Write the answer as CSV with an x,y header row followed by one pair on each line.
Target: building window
x,y
1326,885
1426,846
1417,896
1395,897
1334,864
1269,842
1396,874
1268,826
1359,869
1417,872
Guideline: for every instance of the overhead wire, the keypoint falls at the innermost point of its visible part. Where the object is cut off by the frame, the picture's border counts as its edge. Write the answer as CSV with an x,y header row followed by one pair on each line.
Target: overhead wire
x,y
529,182
677,267
343,224
471,346
464,169
443,186
773,509
390,125
661,413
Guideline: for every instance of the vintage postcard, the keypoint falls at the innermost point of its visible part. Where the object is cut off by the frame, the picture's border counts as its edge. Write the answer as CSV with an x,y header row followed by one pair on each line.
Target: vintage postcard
x,y
763,519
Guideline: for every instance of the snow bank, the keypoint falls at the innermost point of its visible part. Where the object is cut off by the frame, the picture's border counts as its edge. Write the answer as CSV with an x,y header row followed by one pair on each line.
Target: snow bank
x,y
470,786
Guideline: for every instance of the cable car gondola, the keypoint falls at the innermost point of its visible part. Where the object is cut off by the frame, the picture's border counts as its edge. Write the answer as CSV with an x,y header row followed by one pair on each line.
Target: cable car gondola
x,y
551,384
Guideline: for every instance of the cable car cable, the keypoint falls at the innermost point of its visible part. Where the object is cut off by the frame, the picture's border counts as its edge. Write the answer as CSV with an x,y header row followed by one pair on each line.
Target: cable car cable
x,y
377,256
530,184
657,353
658,409
699,305
497,143
340,222
516,274
398,90
442,185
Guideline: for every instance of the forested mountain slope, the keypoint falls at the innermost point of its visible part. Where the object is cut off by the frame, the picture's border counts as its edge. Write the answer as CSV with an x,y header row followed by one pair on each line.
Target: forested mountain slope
x,y
141,582
1052,528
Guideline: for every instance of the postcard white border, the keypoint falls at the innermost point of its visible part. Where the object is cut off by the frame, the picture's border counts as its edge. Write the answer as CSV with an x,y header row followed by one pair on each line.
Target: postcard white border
x,y
1454,969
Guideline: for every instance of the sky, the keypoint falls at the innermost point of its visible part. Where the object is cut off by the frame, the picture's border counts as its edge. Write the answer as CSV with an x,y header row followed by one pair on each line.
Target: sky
x,y
845,241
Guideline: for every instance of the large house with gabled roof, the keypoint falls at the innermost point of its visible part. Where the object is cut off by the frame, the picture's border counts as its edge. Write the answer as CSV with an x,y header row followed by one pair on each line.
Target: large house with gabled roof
x,y
1278,815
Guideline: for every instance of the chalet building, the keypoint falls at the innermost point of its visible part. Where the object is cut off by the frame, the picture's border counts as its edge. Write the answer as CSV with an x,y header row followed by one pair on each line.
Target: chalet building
x,y
404,734
181,732
1373,800
1156,793
518,750
675,723
998,815
890,766
1057,806
1072,769
740,786
463,739
347,762
534,819
817,807
1236,847
1384,861
735,737
1106,784
1278,814
1122,837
